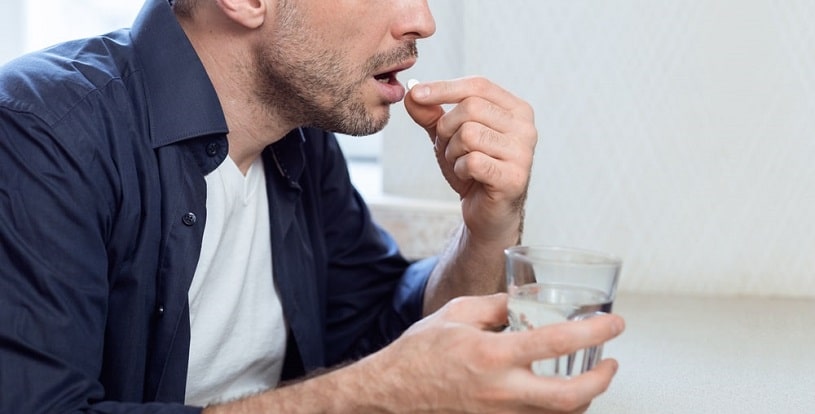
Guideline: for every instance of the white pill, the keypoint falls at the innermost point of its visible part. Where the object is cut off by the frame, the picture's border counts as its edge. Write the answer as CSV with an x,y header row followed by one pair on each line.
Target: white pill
x,y
411,83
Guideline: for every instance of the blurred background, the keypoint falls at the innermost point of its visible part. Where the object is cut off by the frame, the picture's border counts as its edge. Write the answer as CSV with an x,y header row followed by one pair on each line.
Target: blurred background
x,y
677,134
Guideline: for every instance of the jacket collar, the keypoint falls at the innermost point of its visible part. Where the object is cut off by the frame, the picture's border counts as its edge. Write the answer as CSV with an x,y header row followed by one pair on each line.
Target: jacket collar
x,y
182,102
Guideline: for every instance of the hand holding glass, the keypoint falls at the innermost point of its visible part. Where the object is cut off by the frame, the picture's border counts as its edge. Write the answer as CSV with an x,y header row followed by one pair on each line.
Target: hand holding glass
x,y
548,284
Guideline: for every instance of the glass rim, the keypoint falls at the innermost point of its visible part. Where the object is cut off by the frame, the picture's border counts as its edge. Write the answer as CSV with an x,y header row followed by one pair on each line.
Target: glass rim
x,y
526,253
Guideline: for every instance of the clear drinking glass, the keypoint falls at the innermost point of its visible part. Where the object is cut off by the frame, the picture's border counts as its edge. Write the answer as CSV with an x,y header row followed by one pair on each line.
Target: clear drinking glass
x,y
551,284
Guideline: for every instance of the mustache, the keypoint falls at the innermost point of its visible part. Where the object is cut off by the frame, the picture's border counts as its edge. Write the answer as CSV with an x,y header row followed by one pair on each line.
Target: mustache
x,y
407,50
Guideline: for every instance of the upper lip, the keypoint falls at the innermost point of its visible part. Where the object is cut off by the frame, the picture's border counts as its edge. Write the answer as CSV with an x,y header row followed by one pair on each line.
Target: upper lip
x,y
397,68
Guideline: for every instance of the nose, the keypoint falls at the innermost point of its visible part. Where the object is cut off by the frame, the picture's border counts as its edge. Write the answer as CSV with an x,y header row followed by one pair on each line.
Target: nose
x,y
415,20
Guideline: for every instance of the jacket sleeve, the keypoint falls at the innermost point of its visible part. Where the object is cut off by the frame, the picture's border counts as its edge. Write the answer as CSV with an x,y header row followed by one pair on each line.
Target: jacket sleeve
x,y
373,292
55,219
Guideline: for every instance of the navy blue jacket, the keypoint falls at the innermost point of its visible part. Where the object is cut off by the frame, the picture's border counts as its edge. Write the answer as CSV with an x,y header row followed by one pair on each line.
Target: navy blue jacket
x,y
104,145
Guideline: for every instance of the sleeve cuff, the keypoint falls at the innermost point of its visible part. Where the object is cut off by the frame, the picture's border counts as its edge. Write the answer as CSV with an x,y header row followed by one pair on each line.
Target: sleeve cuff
x,y
409,299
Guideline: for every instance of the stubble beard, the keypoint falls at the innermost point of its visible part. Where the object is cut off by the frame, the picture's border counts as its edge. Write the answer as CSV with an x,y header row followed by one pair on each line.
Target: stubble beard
x,y
304,87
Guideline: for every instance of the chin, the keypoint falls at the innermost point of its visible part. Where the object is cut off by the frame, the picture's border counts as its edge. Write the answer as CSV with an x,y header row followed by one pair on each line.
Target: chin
x,y
377,118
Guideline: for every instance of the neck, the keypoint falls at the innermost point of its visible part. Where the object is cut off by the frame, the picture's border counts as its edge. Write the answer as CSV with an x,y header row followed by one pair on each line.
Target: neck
x,y
227,57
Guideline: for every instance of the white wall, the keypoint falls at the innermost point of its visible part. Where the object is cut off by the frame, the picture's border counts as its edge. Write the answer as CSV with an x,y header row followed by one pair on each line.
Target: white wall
x,y
11,30
27,25
677,134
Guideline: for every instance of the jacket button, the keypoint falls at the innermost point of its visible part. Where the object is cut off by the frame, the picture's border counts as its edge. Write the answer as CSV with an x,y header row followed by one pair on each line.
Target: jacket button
x,y
189,219
160,310
212,149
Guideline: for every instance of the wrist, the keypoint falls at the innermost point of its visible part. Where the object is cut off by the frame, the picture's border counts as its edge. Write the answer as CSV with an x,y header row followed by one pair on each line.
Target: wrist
x,y
489,232
476,243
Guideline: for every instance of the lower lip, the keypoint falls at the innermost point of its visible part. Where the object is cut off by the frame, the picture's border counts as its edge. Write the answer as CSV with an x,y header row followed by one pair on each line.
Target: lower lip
x,y
393,91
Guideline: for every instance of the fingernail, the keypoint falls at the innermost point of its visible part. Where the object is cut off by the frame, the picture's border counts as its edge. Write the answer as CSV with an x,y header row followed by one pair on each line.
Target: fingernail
x,y
420,91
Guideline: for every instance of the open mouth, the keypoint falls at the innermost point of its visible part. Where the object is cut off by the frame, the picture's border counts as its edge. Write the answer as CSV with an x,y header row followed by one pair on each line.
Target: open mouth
x,y
389,88
388,77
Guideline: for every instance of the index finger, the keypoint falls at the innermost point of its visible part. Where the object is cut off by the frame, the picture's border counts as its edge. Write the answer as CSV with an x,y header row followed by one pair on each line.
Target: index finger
x,y
456,90
562,338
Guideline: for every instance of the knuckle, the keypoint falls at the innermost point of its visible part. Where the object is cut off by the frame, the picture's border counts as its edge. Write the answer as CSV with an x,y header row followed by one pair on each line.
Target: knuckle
x,y
481,84
469,107
529,130
475,162
490,137
482,169
456,305
470,134
527,111
492,171
483,108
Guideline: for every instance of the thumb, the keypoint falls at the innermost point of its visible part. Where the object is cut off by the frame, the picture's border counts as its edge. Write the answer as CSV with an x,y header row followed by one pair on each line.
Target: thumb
x,y
485,312
425,115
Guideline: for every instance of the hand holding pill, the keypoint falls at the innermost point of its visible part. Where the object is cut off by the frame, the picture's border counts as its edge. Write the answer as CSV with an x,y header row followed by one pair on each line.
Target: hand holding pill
x,y
484,146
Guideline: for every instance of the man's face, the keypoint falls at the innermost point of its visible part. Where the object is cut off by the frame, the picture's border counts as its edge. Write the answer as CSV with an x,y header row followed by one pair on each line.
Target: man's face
x,y
333,64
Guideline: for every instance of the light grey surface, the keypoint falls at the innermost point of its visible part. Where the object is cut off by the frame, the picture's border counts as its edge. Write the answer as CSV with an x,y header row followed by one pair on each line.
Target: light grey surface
x,y
712,355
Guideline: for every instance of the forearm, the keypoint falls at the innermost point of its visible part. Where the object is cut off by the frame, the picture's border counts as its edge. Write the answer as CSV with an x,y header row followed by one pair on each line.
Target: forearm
x,y
471,266
354,388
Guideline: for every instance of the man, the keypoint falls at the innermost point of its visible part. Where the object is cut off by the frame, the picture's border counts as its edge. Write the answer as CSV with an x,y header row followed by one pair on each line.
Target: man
x,y
178,228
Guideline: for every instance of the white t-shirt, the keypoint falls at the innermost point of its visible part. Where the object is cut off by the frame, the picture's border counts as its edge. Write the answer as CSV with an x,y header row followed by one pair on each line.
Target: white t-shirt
x,y
238,334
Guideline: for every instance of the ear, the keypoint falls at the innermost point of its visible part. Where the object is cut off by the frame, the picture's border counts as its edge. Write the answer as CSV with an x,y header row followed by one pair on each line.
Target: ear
x,y
248,13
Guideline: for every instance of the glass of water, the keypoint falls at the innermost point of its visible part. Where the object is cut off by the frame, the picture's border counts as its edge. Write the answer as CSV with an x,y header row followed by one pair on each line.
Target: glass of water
x,y
551,284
